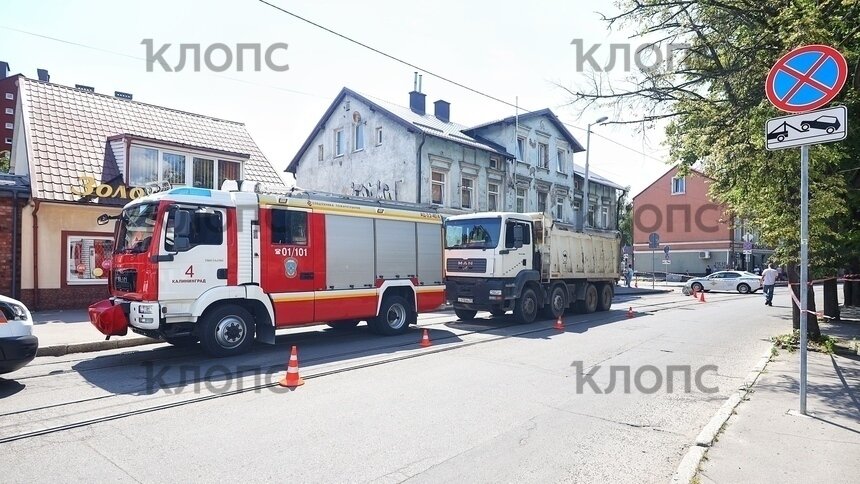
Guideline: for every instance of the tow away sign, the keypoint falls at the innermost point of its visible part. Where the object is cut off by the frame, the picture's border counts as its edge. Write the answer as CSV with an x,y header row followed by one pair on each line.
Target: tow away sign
x,y
823,126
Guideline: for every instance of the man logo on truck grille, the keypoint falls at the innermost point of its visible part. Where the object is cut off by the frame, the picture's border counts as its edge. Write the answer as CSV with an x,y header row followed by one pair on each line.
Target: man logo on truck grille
x,y
291,267
464,264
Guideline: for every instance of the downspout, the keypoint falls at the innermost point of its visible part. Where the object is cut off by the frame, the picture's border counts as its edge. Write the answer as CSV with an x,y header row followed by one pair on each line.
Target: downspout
x,y
15,261
35,254
418,161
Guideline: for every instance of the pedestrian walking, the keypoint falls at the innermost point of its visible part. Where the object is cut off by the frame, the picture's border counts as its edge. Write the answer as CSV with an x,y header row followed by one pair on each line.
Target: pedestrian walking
x,y
708,270
768,280
628,274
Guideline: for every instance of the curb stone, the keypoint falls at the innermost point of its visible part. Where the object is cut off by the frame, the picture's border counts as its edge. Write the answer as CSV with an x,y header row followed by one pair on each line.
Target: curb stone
x,y
88,347
689,466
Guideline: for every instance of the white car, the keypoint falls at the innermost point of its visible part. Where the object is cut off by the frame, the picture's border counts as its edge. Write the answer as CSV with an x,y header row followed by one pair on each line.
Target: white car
x,y
740,281
17,344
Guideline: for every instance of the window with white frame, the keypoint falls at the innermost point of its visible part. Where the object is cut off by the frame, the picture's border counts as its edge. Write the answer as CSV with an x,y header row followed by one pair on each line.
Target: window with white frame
x,y
604,217
10,111
437,190
494,162
543,155
10,96
466,188
521,200
541,205
339,143
358,137
559,208
492,197
8,141
320,152
379,136
560,165
679,185
155,165
521,148
87,259
9,126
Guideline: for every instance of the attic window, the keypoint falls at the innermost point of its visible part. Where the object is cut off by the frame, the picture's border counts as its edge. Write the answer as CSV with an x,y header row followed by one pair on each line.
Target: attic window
x,y
149,164
679,185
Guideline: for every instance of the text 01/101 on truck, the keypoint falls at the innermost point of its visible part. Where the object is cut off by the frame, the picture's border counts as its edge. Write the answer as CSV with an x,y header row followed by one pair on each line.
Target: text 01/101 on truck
x,y
226,267
529,264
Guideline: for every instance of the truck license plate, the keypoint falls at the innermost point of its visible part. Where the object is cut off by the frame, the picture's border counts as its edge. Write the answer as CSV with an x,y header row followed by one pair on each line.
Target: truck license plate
x,y
466,300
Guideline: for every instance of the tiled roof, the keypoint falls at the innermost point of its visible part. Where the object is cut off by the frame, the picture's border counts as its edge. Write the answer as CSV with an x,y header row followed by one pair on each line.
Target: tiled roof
x,y
426,123
68,131
430,124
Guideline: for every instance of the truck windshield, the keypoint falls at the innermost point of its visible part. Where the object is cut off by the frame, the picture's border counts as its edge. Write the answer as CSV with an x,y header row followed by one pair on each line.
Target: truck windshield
x,y
477,233
136,226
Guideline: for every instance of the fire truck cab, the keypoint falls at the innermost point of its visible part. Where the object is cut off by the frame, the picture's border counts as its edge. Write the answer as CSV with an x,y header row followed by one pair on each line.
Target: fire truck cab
x,y
226,267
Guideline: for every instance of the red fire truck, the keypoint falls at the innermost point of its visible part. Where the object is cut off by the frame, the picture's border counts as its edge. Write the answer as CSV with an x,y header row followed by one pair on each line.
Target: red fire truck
x,y
224,267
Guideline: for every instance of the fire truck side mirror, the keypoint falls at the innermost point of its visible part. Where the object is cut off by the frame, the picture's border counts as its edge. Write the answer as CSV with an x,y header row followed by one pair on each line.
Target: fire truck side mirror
x,y
182,231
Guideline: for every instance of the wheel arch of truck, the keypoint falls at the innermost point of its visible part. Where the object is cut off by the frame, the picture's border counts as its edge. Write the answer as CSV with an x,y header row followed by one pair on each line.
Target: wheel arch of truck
x,y
400,286
526,277
249,296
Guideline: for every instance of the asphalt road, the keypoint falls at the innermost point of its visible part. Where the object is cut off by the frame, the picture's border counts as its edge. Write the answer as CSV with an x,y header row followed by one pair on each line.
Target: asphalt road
x,y
490,401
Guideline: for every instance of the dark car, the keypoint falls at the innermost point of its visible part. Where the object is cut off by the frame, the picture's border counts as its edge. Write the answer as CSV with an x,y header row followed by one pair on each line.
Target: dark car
x,y
827,123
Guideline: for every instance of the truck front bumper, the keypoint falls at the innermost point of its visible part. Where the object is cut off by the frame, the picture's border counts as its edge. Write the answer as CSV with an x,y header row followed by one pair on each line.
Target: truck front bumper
x,y
478,293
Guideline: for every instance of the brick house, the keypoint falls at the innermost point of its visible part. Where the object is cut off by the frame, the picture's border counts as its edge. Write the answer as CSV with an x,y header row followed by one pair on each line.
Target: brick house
x,y
698,231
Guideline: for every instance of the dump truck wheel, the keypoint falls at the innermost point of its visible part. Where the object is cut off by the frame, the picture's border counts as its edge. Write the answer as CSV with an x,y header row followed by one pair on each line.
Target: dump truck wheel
x,y
604,301
557,303
525,310
589,304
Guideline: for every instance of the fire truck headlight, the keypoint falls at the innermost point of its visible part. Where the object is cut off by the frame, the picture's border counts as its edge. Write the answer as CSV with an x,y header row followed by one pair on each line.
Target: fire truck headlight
x,y
144,309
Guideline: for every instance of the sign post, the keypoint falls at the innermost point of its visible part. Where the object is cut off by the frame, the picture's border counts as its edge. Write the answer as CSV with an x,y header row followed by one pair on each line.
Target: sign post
x,y
653,244
805,79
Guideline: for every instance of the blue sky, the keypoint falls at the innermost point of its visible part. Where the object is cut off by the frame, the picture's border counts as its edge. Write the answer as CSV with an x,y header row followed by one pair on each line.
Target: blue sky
x,y
520,50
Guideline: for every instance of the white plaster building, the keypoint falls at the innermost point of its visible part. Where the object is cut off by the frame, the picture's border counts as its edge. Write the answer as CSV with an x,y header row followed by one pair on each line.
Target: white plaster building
x,y
370,147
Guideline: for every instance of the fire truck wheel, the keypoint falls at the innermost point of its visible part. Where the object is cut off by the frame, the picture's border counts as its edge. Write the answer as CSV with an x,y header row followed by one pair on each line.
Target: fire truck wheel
x,y
589,304
227,330
525,310
604,302
465,314
394,317
557,303
344,325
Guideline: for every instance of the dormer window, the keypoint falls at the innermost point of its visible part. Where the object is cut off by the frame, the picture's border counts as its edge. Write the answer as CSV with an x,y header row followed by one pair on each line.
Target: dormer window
x,y
149,164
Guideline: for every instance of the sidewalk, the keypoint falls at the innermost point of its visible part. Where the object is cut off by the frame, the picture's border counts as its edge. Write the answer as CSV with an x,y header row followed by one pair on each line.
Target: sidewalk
x,y
766,440
61,332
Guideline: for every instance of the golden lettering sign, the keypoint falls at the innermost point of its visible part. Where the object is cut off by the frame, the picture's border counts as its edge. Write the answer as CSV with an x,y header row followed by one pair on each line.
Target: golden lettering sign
x,y
90,187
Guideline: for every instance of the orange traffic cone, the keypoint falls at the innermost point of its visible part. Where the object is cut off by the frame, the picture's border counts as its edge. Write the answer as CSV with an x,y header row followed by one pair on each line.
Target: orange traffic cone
x,y
292,378
630,312
702,296
425,339
559,325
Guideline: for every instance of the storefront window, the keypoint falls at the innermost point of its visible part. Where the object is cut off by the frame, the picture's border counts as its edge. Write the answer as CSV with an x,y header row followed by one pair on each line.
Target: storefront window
x,y
88,259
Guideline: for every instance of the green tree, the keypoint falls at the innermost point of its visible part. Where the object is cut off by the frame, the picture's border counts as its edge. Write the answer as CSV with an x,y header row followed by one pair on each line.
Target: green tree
x,y
4,162
714,97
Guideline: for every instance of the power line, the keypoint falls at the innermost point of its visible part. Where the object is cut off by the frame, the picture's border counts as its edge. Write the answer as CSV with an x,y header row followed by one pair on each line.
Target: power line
x,y
438,76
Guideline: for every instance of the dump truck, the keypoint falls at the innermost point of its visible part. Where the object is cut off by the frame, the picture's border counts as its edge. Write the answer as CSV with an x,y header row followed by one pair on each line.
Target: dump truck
x,y
529,264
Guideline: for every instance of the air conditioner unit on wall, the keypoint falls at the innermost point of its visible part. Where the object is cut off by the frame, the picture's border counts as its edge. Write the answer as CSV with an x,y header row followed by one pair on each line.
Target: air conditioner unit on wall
x,y
705,254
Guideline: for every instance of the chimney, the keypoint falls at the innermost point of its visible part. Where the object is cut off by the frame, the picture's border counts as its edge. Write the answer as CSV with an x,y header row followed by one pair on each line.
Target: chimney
x,y
442,110
43,75
4,69
122,95
417,98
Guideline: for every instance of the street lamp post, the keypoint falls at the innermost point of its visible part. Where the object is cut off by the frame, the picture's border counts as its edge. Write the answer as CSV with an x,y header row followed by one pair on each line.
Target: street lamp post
x,y
584,222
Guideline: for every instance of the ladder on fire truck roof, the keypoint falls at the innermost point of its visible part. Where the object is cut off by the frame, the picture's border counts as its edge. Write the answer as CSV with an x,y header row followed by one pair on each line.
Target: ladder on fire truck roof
x,y
296,192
